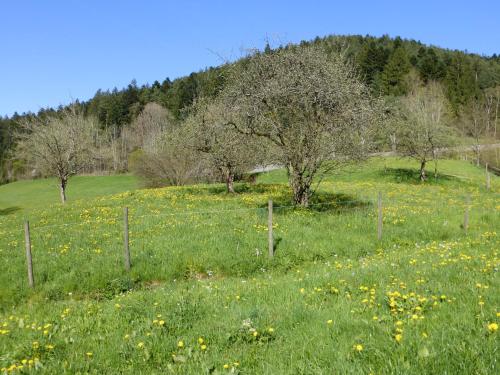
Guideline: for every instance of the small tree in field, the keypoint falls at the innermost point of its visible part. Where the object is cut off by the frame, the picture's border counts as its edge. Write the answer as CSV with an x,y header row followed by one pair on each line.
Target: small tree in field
x,y
310,105
229,152
423,131
59,146
162,155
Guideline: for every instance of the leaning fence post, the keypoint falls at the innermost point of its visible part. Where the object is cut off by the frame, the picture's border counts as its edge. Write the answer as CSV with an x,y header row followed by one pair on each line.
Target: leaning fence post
x,y
466,213
488,179
380,216
29,261
125,238
270,228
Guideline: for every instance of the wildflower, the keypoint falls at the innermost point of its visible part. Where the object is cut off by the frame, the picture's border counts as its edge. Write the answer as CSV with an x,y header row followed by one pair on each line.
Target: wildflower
x,y
203,347
270,330
180,344
398,337
329,321
358,347
375,317
140,345
49,347
226,366
255,334
161,323
89,354
493,327
200,340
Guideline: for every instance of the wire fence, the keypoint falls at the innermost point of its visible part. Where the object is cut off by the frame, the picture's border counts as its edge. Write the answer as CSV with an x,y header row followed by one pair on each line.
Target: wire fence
x,y
200,240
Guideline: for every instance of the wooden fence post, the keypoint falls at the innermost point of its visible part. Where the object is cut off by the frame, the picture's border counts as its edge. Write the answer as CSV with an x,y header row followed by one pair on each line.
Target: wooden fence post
x,y
466,213
125,239
488,179
29,260
380,216
270,228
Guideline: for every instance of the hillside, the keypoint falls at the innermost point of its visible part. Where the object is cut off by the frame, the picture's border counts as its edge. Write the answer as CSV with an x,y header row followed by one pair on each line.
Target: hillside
x,y
203,296
387,65
39,193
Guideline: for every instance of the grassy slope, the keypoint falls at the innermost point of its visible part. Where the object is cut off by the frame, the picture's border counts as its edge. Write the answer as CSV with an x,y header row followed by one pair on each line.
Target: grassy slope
x,y
45,192
197,273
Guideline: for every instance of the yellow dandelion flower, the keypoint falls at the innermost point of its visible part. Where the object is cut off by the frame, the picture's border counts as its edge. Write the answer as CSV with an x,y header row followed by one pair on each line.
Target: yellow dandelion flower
x,y
180,344
358,347
493,327
330,321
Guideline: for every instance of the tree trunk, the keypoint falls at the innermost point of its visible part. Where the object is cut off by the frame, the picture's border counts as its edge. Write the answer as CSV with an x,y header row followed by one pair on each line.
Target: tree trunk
x,y
393,142
301,187
63,189
423,176
230,182
301,197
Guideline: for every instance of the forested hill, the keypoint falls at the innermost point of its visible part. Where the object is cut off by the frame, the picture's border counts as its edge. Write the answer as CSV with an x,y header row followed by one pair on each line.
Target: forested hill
x,y
387,64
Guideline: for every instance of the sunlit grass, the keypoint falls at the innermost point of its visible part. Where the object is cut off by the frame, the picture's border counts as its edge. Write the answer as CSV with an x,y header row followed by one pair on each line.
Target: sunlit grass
x,y
333,300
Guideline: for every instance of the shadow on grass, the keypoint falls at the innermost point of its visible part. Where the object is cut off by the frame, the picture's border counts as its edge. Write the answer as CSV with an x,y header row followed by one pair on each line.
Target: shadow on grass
x,y
9,210
321,202
282,198
242,188
412,176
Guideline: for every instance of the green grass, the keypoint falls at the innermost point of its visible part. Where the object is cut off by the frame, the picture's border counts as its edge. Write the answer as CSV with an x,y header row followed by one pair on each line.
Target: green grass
x,y
34,194
200,270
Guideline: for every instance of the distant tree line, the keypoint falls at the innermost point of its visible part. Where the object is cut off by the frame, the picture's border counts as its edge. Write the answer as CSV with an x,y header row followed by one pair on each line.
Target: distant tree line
x,y
395,70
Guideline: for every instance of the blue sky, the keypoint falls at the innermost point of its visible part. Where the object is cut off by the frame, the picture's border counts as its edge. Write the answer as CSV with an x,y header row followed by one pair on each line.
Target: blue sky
x,y
54,51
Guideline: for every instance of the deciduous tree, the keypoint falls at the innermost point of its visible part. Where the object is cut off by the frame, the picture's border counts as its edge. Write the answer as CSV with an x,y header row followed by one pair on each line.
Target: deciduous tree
x,y
423,131
310,105
59,146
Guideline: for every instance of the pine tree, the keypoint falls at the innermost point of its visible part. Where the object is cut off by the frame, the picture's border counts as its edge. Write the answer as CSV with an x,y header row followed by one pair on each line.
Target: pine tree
x,y
397,67
372,60
430,66
460,81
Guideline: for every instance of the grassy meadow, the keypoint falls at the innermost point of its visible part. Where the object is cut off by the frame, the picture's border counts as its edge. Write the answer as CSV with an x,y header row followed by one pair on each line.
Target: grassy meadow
x,y
203,296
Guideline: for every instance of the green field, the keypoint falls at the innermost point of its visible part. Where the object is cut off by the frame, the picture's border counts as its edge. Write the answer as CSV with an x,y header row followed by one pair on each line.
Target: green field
x,y
43,193
203,296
